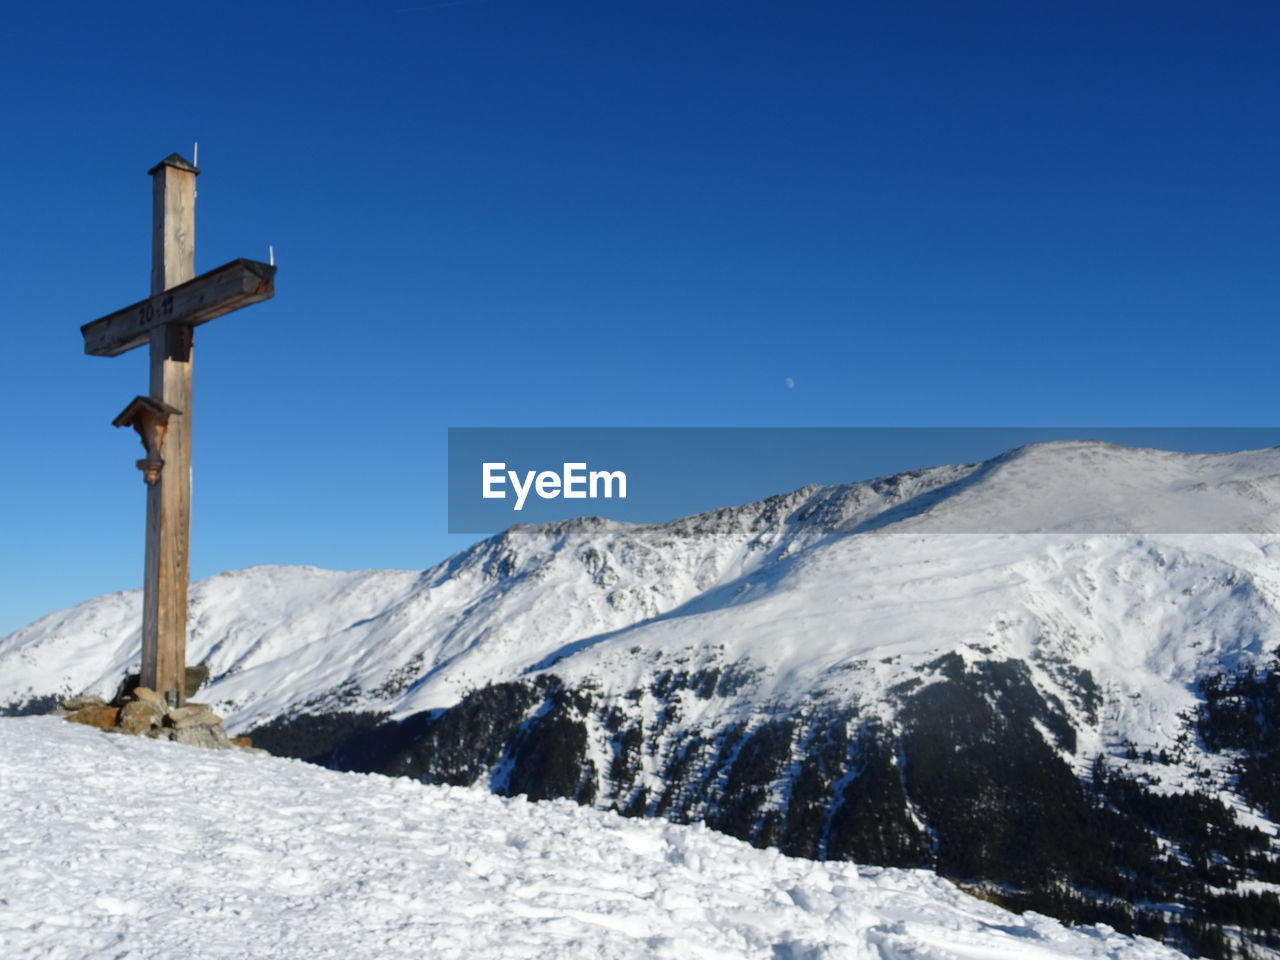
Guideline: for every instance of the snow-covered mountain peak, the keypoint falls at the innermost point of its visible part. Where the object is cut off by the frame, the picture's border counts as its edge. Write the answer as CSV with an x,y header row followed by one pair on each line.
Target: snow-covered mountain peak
x,y
1079,487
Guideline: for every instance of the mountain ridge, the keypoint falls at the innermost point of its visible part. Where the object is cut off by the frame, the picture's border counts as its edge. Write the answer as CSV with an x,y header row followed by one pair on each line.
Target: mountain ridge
x,y
708,555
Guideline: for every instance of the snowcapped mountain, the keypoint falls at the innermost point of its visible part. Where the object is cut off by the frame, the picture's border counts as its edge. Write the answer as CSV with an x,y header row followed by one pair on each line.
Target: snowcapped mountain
x,y
973,668
843,563
257,856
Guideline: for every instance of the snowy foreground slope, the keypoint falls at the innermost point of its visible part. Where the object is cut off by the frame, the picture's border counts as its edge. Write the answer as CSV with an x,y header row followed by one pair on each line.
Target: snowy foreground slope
x,y
112,846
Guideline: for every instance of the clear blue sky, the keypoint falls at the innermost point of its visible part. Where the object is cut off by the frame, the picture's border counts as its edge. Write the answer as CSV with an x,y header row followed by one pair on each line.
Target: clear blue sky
x,y
544,212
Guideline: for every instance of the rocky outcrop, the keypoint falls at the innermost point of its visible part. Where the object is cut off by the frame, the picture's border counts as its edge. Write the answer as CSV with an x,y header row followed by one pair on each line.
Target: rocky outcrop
x,y
142,712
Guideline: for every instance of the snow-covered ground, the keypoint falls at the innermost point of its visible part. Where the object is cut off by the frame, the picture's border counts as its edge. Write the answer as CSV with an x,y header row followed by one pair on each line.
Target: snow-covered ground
x,y
114,847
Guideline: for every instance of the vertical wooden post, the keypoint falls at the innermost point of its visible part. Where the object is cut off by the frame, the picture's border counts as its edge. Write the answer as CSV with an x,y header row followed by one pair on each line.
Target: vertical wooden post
x,y
164,615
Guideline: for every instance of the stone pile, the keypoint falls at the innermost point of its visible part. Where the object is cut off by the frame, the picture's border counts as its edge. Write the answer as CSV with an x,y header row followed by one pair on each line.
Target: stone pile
x,y
142,712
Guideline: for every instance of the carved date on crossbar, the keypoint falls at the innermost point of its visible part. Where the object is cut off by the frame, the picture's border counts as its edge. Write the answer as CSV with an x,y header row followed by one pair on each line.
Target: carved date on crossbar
x,y
229,287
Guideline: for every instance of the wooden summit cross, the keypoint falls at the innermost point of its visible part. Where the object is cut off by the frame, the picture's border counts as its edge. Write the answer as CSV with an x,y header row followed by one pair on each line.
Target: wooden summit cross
x,y
179,302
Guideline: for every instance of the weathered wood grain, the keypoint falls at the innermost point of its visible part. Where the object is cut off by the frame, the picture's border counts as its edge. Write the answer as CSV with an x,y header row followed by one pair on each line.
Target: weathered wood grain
x,y
231,286
164,612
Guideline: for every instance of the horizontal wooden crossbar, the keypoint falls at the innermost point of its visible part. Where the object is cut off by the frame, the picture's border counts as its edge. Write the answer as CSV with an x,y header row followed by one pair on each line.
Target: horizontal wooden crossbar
x,y
232,286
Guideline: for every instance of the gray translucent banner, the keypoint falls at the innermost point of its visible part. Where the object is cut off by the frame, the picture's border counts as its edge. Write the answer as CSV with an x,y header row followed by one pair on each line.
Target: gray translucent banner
x,y
887,479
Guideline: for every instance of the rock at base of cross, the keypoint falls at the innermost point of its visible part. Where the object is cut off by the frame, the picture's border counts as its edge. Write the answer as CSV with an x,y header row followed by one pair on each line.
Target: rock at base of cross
x,y
195,678
100,715
140,711
139,716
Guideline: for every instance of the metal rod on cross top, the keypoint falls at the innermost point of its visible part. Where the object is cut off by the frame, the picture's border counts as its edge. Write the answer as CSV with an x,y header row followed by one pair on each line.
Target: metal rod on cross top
x,y
166,321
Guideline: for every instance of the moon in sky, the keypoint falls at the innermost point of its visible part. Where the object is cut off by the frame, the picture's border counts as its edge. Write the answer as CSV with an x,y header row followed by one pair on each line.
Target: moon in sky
x,y
791,384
